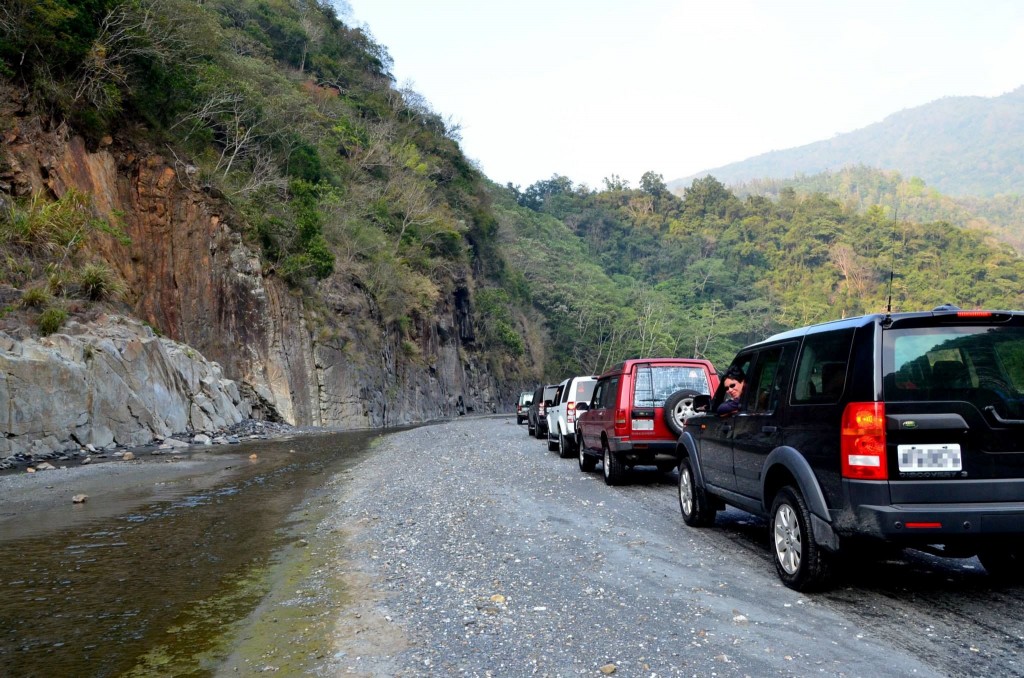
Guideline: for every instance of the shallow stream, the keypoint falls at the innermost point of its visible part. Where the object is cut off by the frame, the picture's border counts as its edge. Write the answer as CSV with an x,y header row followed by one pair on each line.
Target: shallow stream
x,y
144,580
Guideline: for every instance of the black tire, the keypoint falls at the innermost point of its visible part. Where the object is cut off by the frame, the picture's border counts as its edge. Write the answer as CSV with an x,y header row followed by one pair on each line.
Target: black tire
x,y
802,564
529,428
678,406
1003,563
565,447
587,462
693,501
614,470
520,420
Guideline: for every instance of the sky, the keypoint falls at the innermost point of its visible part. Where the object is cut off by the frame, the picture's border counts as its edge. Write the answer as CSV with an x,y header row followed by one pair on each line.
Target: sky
x,y
591,89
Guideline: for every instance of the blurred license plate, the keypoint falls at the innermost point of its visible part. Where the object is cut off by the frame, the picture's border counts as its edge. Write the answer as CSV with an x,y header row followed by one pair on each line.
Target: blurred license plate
x,y
929,458
643,424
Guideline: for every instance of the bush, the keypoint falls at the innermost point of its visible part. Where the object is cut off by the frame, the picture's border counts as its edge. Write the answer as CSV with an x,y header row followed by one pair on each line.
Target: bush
x,y
97,282
35,297
51,320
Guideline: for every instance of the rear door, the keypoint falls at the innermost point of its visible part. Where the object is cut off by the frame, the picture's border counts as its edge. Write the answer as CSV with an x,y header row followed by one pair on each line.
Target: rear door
x,y
954,403
653,383
758,428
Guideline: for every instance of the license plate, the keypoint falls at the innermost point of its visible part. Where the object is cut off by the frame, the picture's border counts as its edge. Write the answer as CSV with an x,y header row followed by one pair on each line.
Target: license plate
x,y
643,424
929,458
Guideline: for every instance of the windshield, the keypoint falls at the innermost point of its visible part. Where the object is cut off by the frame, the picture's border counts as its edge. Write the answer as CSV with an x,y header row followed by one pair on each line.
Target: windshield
x,y
654,384
983,365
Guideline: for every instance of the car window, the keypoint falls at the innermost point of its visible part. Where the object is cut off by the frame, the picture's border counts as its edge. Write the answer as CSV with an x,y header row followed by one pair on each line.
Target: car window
x,y
655,383
768,381
610,391
741,363
977,363
584,390
821,369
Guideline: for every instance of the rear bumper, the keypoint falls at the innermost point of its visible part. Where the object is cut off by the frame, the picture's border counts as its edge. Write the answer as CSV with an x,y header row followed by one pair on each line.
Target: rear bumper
x,y
643,453
929,522
945,519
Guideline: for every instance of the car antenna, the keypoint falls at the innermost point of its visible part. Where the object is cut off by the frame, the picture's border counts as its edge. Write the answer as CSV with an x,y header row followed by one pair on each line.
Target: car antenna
x,y
892,264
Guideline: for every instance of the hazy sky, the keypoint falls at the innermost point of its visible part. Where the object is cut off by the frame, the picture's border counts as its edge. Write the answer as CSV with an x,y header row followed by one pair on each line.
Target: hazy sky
x,y
592,88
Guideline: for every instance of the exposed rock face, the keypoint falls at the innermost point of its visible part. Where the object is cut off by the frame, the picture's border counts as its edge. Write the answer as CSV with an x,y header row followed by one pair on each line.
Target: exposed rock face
x,y
111,382
194,279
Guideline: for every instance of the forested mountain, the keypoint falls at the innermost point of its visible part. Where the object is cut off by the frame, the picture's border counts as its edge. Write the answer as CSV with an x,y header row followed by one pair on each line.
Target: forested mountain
x,y
860,187
641,271
272,128
962,146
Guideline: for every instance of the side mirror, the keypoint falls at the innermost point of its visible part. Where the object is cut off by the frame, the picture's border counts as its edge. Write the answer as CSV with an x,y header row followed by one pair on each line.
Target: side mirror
x,y
549,403
582,407
702,403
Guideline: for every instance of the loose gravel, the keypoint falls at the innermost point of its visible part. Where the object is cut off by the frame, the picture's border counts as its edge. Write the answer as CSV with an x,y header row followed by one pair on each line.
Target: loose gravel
x,y
472,550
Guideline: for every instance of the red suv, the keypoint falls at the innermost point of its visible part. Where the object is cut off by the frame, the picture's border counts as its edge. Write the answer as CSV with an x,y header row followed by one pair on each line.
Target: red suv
x,y
636,414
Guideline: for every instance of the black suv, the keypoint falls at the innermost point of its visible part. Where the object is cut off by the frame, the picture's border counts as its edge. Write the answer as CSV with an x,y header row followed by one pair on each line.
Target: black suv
x,y
905,429
537,415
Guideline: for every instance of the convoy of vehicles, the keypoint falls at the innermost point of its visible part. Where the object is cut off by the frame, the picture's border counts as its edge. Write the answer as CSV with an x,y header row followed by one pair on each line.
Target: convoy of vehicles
x,y
895,430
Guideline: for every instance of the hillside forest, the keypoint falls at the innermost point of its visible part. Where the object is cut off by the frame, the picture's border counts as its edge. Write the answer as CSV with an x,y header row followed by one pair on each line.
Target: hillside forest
x,y
291,116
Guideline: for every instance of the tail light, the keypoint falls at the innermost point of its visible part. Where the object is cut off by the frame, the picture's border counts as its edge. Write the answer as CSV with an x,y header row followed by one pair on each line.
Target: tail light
x,y
863,442
621,422
570,412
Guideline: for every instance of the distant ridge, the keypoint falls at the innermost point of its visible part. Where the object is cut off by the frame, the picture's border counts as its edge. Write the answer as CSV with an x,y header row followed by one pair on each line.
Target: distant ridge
x,y
958,145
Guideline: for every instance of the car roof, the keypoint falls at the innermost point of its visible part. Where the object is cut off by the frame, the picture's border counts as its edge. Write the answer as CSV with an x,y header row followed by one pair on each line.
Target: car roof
x,y
628,364
889,319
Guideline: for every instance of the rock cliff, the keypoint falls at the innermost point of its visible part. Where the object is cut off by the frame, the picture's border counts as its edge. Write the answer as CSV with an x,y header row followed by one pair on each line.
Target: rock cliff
x,y
193,278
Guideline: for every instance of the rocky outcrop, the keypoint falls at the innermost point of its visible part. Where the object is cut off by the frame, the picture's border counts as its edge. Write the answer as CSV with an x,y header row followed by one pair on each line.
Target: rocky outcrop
x,y
108,383
193,277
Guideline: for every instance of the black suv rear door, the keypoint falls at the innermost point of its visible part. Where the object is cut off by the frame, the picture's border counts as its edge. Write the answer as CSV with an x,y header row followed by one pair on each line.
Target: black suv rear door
x,y
954,399
758,428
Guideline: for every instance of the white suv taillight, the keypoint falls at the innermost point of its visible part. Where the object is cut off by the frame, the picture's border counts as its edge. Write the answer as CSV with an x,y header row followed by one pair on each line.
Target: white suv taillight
x,y
570,412
862,442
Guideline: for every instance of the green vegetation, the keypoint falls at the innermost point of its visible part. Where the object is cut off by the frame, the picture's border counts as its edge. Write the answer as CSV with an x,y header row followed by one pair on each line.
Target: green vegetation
x,y
43,243
631,272
861,188
342,181
52,319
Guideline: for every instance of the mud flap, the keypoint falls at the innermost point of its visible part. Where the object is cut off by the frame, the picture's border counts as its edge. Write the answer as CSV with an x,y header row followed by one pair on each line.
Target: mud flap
x,y
824,535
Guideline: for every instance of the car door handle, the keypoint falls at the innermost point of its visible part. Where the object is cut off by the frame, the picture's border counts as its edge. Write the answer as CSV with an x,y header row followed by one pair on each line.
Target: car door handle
x,y
769,429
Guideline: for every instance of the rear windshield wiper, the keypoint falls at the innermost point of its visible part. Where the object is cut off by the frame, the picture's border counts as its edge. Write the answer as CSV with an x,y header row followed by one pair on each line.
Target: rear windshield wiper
x,y
991,409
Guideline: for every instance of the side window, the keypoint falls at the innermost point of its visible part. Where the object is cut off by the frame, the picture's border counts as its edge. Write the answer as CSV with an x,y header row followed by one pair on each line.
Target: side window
x,y
741,366
767,383
610,392
821,370
595,400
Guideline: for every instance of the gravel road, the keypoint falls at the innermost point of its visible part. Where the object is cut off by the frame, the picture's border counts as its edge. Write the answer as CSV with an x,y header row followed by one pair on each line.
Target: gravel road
x,y
472,550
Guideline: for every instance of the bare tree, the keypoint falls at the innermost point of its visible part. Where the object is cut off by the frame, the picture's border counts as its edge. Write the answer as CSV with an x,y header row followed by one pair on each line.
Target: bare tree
x,y
131,30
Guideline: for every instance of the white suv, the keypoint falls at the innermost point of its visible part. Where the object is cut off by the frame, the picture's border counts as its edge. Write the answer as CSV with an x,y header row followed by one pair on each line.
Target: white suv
x,y
562,414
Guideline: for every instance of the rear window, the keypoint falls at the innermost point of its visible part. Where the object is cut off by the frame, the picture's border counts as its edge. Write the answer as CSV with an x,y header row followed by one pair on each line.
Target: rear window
x,y
584,390
984,365
655,383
